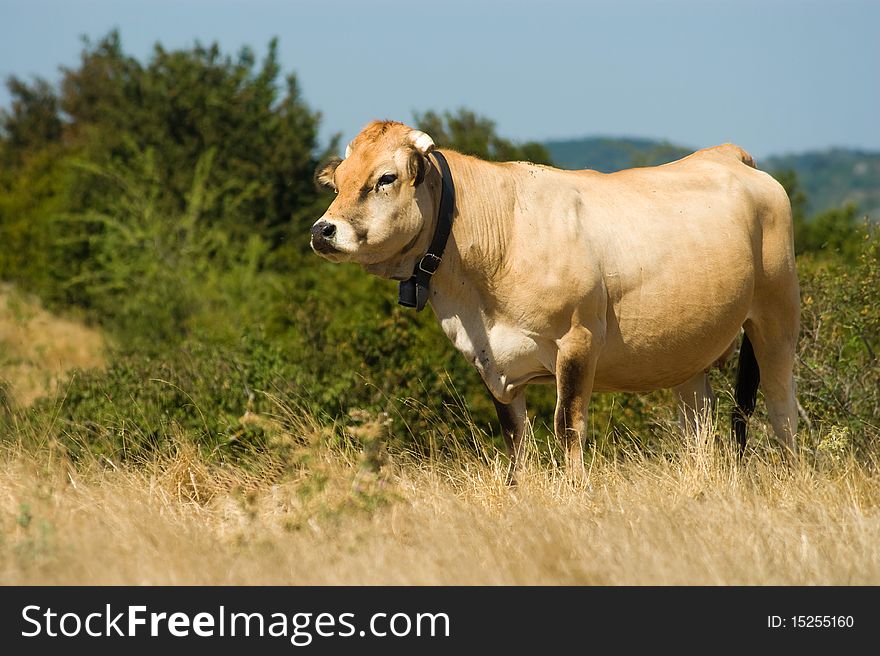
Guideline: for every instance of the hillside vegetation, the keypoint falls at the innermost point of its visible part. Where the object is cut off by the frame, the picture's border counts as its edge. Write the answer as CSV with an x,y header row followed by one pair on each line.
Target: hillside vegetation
x,y
191,395
835,177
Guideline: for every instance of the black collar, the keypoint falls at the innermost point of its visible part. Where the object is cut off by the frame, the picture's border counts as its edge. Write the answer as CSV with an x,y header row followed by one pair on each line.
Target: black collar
x,y
414,292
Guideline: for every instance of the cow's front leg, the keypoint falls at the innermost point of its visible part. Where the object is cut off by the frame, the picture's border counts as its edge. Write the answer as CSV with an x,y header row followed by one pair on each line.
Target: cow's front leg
x,y
575,369
513,426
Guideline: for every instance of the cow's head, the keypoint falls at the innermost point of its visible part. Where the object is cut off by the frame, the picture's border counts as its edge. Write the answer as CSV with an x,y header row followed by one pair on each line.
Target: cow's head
x,y
383,209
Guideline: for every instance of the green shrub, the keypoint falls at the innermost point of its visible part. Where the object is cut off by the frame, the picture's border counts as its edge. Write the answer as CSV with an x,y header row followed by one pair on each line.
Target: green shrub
x,y
839,370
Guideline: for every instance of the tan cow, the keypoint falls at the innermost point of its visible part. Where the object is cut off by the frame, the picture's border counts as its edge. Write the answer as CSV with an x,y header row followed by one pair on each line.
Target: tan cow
x,y
630,281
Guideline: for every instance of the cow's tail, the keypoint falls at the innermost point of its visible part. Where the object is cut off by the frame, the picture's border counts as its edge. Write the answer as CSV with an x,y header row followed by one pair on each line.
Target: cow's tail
x,y
746,395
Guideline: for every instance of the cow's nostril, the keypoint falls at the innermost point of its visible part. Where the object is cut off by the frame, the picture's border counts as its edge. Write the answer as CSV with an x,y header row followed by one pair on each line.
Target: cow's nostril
x,y
328,231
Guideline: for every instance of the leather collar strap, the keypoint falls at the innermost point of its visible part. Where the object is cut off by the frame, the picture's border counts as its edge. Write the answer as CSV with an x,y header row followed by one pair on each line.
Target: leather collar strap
x,y
414,292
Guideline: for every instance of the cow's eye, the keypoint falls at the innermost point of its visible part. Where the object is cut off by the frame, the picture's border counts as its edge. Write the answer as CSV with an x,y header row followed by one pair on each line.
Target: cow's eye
x,y
386,179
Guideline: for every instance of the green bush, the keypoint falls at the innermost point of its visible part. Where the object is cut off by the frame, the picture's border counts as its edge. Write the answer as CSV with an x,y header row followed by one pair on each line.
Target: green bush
x,y
195,391
839,354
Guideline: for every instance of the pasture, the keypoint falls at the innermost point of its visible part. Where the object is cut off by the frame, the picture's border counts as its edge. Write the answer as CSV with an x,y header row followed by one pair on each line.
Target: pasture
x,y
188,395
341,504
327,513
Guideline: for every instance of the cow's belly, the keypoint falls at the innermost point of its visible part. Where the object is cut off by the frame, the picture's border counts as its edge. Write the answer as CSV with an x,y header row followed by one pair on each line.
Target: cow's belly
x,y
658,341
641,353
678,294
627,369
505,356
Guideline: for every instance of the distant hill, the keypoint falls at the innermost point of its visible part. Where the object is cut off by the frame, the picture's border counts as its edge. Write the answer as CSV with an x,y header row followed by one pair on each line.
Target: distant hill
x,y
830,178
834,177
608,154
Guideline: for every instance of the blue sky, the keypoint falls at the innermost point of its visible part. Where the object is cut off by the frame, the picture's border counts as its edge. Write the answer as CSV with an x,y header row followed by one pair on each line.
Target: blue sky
x,y
775,76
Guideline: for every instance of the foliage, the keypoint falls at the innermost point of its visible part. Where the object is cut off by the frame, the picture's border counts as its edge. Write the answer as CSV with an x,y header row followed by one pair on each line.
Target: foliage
x,y
34,119
839,352
32,196
834,178
833,231
196,390
184,103
201,119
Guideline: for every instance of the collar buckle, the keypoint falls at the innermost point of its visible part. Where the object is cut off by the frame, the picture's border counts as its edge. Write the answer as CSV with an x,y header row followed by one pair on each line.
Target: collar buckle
x,y
430,263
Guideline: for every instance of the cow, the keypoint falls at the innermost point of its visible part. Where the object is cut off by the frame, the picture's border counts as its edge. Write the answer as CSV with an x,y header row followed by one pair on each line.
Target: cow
x,y
624,282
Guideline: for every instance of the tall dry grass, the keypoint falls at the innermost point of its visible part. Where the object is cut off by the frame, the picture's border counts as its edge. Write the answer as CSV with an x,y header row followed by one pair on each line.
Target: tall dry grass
x,y
331,512
37,348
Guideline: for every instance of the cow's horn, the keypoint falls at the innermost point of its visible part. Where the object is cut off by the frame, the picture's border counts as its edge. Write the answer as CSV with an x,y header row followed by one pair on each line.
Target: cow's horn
x,y
423,142
348,151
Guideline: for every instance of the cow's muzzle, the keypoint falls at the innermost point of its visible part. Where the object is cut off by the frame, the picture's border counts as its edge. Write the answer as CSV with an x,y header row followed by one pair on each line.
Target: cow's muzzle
x,y
323,235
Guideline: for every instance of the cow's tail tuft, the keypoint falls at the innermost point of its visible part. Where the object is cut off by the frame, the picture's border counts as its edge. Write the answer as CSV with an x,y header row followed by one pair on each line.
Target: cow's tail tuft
x,y
746,395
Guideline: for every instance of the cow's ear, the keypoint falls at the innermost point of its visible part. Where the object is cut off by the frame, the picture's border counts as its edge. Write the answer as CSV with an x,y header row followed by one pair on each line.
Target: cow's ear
x,y
324,174
422,144
421,141
417,167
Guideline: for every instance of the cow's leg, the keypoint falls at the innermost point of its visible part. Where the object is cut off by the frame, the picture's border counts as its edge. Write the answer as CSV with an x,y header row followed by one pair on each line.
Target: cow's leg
x,y
695,401
513,426
775,341
575,369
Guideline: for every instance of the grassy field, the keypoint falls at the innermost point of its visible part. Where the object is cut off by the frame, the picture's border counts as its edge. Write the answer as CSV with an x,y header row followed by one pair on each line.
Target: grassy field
x,y
333,505
330,515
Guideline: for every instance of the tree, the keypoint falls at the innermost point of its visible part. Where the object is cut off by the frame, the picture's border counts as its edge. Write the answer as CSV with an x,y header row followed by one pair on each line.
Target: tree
x,y
835,230
475,135
798,199
34,120
194,133
184,103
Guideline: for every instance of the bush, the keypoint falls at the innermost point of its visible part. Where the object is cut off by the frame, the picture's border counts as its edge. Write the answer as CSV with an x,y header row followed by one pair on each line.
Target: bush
x,y
840,340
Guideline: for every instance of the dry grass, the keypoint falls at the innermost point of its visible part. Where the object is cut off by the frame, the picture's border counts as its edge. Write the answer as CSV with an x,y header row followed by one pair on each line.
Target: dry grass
x,y
335,515
321,510
37,348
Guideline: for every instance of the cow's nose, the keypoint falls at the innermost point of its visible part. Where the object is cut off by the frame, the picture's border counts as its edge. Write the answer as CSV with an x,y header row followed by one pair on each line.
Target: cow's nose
x,y
323,230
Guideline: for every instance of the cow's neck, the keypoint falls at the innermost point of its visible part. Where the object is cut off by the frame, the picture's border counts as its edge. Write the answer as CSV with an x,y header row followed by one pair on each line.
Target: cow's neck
x,y
476,253
465,290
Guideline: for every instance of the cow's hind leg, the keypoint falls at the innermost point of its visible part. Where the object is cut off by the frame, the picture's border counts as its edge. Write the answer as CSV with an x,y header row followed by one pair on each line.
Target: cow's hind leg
x,y
513,427
575,370
695,401
773,336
